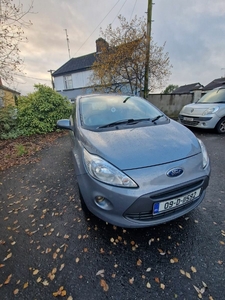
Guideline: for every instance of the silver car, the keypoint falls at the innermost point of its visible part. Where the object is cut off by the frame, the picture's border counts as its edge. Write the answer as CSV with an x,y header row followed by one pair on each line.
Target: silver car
x,y
135,167
208,112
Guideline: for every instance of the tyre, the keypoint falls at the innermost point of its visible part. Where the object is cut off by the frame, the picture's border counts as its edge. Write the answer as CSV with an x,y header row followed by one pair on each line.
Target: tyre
x,y
220,127
83,204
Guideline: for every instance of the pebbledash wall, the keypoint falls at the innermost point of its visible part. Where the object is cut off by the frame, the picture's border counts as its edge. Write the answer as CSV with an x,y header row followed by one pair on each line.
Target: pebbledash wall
x,y
170,104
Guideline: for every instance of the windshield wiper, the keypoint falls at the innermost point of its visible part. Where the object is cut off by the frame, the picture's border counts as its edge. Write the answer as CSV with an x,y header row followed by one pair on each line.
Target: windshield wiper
x,y
127,122
156,118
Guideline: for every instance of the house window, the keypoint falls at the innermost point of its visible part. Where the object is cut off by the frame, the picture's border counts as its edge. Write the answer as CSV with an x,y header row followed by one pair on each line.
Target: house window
x,y
68,82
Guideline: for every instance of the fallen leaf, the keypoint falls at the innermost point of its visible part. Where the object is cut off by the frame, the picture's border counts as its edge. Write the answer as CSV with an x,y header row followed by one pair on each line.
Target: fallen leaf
x,y
148,270
61,267
148,285
55,255
162,286
2,265
16,291
139,262
104,285
193,269
8,279
8,256
70,298
100,272
188,275
131,280
157,279
182,272
77,259
39,279
174,260
35,272
161,252
25,285
45,282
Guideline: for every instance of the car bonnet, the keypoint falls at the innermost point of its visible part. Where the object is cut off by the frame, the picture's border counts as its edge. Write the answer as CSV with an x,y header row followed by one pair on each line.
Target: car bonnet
x,y
142,146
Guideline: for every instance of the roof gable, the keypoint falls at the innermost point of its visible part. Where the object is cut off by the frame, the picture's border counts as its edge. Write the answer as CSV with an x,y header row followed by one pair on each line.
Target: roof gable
x,y
214,84
77,64
188,88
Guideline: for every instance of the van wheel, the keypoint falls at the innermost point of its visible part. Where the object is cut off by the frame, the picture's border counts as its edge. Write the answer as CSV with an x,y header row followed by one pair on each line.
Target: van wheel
x,y
220,127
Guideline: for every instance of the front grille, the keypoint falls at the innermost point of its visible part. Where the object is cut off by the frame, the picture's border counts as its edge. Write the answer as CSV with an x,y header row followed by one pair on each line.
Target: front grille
x,y
195,122
142,208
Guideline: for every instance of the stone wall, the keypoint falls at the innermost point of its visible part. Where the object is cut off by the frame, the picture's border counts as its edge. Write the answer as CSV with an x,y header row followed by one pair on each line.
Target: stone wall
x,y
170,104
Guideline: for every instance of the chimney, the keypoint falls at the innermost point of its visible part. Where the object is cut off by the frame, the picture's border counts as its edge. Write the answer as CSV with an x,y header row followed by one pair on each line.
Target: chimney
x,y
101,44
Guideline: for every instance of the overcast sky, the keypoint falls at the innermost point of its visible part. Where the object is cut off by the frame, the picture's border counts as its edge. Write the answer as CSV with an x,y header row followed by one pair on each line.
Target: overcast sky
x,y
194,32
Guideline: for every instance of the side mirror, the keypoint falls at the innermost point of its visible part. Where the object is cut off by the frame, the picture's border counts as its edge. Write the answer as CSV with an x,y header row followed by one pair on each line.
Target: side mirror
x,y
64,124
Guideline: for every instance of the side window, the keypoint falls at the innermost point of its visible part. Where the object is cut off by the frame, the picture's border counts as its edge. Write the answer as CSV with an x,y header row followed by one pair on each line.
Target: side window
x,y
68,83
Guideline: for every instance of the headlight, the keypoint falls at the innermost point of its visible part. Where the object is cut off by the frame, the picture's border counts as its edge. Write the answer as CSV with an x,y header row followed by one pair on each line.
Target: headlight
x,y
105,172
205,158
210,111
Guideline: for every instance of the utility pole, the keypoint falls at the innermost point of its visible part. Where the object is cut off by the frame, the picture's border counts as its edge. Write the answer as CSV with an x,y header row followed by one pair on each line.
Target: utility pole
x,y
68,43
148,40
53,85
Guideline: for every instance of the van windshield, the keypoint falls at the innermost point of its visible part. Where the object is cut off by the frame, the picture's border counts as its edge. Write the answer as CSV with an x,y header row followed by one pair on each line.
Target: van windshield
x,y
214,96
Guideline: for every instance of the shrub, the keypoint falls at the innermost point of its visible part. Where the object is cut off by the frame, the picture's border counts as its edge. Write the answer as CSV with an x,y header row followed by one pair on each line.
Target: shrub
x,y
8,122
39,111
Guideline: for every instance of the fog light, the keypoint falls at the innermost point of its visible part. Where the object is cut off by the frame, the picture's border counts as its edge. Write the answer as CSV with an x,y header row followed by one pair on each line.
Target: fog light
x,y
99,199
103,203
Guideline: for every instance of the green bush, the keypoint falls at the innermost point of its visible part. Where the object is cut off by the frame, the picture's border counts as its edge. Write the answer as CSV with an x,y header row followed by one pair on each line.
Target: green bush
x,y
38,112
8,122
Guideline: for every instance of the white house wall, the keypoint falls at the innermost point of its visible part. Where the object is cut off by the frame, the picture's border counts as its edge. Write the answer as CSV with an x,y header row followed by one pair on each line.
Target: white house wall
x,y
80,80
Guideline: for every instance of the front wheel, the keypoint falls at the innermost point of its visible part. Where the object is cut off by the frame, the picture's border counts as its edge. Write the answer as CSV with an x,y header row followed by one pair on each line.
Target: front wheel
x,y
220,127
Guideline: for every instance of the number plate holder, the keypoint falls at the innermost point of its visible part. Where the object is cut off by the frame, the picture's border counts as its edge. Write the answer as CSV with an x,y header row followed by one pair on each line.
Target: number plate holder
x,y
161,207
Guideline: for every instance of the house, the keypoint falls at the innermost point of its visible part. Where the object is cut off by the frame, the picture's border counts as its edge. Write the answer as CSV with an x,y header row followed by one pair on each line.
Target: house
x,y
193,88
7,95
214,84
73,78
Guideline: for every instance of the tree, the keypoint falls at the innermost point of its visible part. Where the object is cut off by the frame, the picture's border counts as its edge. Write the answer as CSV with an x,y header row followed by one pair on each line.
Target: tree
x,y
120,64
12,24
170,88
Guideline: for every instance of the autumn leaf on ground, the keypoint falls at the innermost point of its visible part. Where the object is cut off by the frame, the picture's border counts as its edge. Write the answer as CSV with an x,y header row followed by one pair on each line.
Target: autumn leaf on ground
x,y
60,292
131,280
148,285
35,272
8,279
2,265
101,273
162,286
161,252
148,269
139,262
157,279
8,256
16,291
193,269
174,260
25,285
77,259
45,282
104,285
61,267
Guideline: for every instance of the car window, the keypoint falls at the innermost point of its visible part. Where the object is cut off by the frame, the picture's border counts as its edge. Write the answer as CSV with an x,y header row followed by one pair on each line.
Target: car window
x,y
214,96
104,109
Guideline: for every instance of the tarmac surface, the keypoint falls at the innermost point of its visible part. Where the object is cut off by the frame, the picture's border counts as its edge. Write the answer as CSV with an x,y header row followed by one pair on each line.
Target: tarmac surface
x,y
50,249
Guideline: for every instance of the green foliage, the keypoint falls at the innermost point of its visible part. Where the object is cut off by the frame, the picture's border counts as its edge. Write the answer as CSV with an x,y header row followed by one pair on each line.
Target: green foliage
x,y
170,88
8,122
38,112
21,150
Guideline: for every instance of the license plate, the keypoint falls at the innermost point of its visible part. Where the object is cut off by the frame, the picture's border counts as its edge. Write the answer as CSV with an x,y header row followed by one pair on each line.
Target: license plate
x,y
161,207
188,119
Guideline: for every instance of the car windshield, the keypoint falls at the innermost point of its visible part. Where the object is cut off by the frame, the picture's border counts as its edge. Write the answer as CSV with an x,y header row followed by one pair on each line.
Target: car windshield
x,y
102,111
214,96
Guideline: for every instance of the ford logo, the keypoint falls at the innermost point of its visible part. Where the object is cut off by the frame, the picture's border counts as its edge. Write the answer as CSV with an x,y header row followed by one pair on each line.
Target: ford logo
x,y
175,172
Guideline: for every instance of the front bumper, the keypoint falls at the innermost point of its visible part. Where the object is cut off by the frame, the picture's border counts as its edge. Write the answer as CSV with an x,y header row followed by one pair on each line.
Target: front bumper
x,y
207,122
132,207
